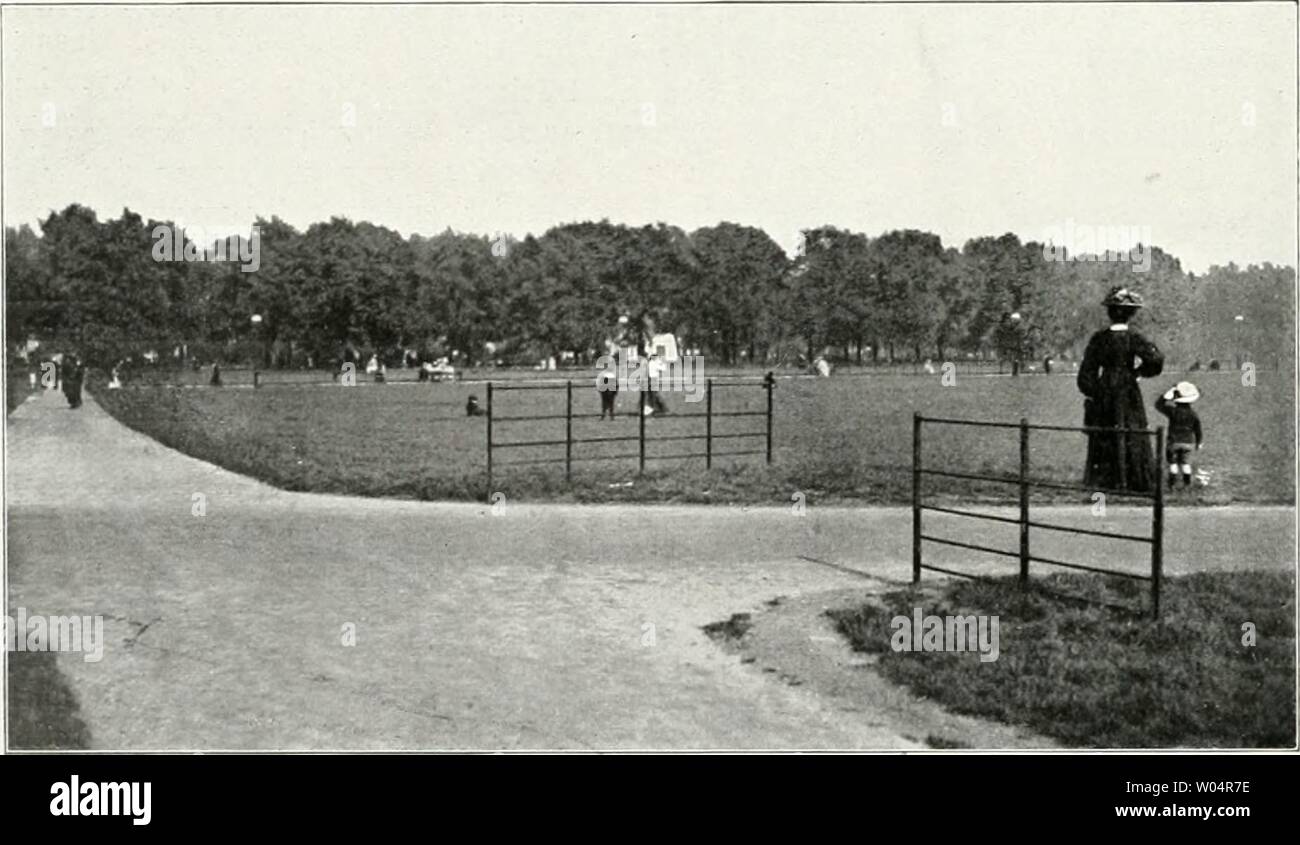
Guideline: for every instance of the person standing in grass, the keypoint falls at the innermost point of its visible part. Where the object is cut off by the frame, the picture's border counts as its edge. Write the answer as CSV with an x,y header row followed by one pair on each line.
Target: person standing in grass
x,y
607,384
654,368
1116,357
1184,430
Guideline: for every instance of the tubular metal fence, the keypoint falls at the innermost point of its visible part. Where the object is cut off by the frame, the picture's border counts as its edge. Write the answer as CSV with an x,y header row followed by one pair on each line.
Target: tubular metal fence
x,y
642,437
1023,520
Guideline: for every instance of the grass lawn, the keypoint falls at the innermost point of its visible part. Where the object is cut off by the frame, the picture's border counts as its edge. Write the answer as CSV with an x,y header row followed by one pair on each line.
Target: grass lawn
x,y
838,439
1096,676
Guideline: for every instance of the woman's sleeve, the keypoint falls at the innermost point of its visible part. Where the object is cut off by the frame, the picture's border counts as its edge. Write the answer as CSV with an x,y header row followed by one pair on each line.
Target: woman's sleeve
x,y
1153,362
1087,379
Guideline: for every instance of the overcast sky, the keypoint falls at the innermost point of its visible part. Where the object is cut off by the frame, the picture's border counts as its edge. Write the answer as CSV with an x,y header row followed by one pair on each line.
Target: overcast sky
x,y
962,120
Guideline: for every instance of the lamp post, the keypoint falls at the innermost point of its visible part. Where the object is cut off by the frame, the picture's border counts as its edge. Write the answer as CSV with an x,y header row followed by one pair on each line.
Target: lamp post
x,y
260,328
1018,337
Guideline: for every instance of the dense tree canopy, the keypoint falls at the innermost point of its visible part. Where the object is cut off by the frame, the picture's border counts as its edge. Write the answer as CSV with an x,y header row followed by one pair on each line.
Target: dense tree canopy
x,y
728,290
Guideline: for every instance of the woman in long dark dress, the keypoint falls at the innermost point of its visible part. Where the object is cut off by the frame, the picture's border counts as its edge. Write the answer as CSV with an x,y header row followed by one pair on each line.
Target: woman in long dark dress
x,y
73,374
1108,378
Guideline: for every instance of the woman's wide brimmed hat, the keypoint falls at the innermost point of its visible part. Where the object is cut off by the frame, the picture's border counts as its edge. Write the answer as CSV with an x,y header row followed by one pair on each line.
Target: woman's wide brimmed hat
x,y
1123,296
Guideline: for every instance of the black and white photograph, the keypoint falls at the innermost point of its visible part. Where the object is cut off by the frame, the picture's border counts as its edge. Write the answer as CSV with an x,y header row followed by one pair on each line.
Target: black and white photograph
x,y
913,378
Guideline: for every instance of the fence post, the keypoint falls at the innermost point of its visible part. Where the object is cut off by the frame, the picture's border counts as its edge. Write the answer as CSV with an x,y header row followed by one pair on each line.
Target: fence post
x,y
568,430
256,379
1024,501
768,382
1158,526
916,498
641,430
708,424
489,440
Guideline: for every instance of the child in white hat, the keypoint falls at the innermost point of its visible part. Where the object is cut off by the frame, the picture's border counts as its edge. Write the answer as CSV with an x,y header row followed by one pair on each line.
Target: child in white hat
x,y
1184,436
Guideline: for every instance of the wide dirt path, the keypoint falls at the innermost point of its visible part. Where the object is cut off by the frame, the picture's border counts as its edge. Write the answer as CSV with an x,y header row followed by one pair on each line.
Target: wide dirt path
x,y
527,626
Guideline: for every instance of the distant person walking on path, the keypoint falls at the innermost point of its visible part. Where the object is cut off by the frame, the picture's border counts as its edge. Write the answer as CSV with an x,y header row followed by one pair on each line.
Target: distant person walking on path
x,y
1108,378
73,374
1184,430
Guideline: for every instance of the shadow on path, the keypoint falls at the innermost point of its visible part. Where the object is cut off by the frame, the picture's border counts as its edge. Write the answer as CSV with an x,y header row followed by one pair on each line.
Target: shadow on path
x,y
43,709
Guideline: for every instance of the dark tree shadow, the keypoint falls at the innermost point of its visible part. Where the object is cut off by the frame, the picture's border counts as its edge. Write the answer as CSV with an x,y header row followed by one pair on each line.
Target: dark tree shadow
x,y
43,709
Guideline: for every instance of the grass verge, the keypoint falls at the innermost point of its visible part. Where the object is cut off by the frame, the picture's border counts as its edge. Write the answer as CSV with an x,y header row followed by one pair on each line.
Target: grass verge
x,y
1093,675
17,388
834,441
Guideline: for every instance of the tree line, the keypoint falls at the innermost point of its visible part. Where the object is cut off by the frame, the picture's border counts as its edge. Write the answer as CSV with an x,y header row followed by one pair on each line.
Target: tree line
x,y
345,288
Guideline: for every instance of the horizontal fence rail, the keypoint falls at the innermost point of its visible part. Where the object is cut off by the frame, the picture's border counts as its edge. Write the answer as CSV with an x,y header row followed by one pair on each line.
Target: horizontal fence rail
x,y
642,438
1045,485
1025,483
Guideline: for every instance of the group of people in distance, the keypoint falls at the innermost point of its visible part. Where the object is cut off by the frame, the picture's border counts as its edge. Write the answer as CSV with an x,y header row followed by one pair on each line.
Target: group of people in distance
x,y
1119,453
1114,360
634,343
69,374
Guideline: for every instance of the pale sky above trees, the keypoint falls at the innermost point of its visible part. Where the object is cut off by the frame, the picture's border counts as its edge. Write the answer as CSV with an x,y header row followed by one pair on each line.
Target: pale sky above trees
x,y
959,120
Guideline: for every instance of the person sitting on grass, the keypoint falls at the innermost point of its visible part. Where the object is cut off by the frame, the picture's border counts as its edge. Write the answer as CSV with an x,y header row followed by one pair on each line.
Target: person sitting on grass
x,y
471,407
1184,430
